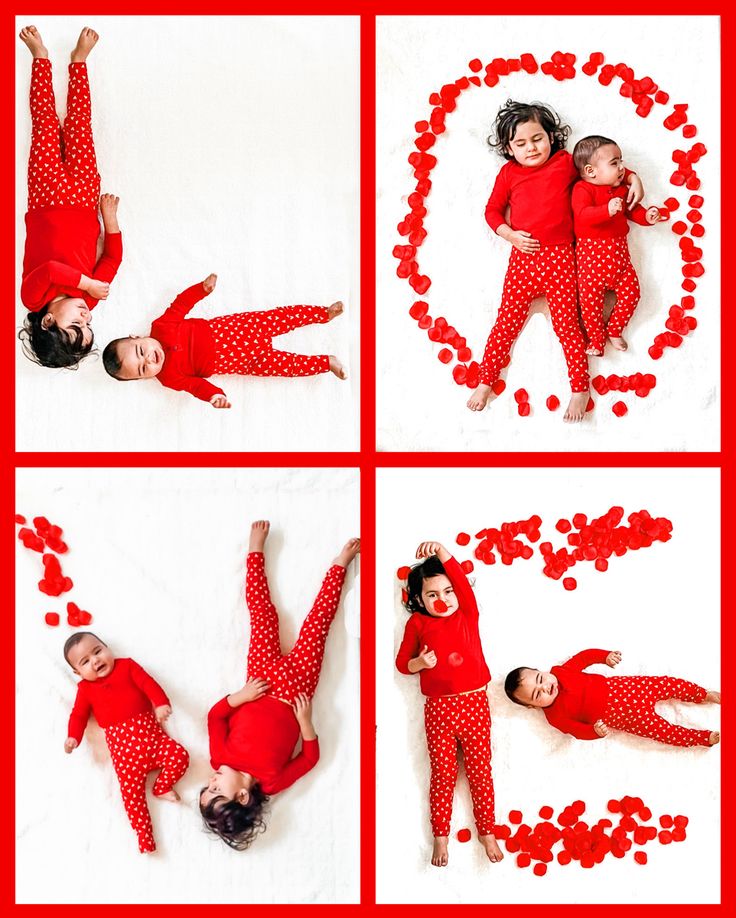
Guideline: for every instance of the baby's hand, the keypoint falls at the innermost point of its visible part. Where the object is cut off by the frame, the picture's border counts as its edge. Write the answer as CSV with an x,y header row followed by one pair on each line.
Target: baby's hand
x,y
653,215
162,712
523,241
253,689
209,283
70,744
636,191
429,548
427,658
303,708
613,658
220,401
615,206
98,289
109,205
600,728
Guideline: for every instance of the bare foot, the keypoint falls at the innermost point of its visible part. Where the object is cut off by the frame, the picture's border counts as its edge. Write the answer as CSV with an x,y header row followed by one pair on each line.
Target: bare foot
x,y
712,698
439,851
337,368
594,351
479,399
258,534
576,408
349,550
170,795
335,310
31,37
618,343
85,43
493,852
714,738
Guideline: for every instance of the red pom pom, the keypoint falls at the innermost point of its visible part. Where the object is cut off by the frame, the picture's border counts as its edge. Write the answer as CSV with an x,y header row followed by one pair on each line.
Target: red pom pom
x,y
403,572
569,583
553,403
498,386
52,618
463,835
619,409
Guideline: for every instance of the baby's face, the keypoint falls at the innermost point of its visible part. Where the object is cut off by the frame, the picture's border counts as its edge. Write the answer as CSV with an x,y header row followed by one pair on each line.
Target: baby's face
x,y
439,589
91,659
537,689
606,167
530,145
140,358
70,314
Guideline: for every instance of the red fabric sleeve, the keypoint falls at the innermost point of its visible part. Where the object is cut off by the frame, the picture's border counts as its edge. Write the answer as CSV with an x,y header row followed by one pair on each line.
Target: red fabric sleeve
x,y
217,728
638,214
195,385
586,658
567,725
298,766
147,684
409,647
498,201
36,289
463,590
80,715
184,303
112,254
584,209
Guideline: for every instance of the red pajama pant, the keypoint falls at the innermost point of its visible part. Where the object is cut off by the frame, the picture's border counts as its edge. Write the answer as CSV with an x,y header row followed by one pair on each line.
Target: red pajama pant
x,y
630,707
463,720
138,746
549,272
244,345
62,169
298,671
605,264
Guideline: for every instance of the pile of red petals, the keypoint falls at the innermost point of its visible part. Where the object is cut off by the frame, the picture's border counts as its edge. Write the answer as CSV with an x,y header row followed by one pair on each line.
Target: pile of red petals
x,y
54,583
76,616
45,535
503,539
639,383
521,397
561,66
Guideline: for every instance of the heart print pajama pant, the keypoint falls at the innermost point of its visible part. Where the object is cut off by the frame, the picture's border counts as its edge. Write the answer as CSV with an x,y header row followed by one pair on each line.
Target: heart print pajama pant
x,y
605,264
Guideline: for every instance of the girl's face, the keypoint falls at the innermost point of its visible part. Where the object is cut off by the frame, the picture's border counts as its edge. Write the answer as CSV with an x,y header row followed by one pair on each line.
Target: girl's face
x,y
70,313
439,590
228,783
537,689
530,145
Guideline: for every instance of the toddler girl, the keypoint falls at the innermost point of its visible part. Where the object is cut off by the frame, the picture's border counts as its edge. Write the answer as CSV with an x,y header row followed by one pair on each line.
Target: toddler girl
x,y
62,276
181,353
441,642
131,708
253,731
588,705
536,184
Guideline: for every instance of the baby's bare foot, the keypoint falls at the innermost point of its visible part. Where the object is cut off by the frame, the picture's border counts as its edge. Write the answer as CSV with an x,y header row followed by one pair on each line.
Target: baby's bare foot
x,y
31,37
170,795
493,852
576,408
479,399
714,738
85,43
439,851
258,534
712,698
349,550
618,343
337,368
335,310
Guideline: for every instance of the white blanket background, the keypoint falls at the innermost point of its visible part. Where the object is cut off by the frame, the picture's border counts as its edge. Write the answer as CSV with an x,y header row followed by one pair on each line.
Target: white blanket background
x,y
233,145
419,404
157,557
659,606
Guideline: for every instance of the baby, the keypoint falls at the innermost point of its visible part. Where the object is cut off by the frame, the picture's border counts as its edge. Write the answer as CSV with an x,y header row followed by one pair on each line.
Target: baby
x,y
601,251
182,353
130,707
588,705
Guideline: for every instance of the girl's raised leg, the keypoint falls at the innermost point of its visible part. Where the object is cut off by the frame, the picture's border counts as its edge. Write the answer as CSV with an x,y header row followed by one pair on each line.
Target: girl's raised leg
x,y
80,161
264,647
44,160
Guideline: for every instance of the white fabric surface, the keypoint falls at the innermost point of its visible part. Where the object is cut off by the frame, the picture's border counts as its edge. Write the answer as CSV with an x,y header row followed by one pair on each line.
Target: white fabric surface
x,y
157,557
233,145
659,606
419,406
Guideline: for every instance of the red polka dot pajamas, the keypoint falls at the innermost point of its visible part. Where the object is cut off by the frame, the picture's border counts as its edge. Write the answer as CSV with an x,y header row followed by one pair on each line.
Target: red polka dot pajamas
x,y
625,703
259,737
236,344
603,260
122,704
456,710
62,225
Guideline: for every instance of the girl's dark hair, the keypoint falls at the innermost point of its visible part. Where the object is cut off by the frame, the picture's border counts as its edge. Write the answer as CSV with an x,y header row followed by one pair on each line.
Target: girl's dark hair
x,y
431,567
514,114
512,683
53,346
237,824
111,358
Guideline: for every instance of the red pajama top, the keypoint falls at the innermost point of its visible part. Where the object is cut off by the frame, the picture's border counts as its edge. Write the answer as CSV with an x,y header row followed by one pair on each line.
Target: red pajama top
x,y
590,212
461,666
189,348
61,246
582,696
259,737
126,692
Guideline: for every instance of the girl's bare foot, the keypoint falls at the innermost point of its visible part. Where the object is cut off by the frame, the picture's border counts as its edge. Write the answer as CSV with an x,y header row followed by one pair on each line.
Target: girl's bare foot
x,y
349,550
85,43
337,368
714,738
576,408
439,851
335,310
493,852
618,343
712,698
479,399
31,37
594,351
258,534
170,795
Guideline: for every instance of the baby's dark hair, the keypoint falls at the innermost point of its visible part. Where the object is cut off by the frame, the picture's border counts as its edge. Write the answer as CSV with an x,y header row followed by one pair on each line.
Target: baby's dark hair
x,y
53,346
75,639
430,567
237,824
514,114
111,358
585,148
512,683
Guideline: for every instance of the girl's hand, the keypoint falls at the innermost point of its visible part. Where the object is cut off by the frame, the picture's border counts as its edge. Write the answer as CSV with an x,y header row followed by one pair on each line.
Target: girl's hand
x,y
600,728
426,659
109,206
426,549
615,206
98,289
523,241
163,713
220,401
70,744
613,658
209,283
253,689
653,215
636,191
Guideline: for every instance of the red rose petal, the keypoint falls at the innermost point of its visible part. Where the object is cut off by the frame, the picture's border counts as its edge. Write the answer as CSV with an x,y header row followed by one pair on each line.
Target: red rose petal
x,y
52,618
563,526
619,409
540,870
524,409
521,395
553,403
403,572
640,857
498,386
462,538
569,583
440,606
467,566
546,812
515,817
445,355
463,835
